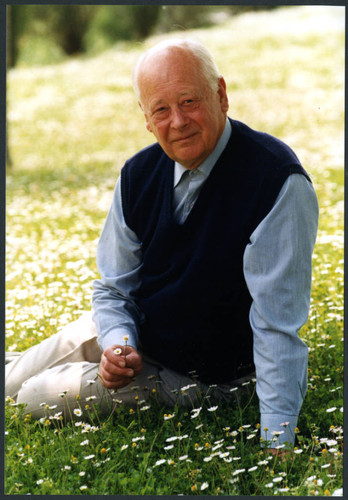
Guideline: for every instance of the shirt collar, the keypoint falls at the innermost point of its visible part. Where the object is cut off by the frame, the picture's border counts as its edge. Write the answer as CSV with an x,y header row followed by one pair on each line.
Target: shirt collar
x,y
207,165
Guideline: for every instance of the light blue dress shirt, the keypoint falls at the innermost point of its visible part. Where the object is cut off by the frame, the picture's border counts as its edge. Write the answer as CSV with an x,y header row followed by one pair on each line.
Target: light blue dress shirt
x,y
277,270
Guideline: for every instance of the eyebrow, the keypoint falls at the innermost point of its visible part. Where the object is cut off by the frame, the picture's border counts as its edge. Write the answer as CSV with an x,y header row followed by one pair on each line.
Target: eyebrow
x,y
195,93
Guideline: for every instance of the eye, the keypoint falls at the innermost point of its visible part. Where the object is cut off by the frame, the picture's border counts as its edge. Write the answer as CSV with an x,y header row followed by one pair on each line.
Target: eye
x,y
160,110
190,103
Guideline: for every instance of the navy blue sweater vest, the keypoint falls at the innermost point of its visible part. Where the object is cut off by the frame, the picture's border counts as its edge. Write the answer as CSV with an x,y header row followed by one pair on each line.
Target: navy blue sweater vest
x,y
193,293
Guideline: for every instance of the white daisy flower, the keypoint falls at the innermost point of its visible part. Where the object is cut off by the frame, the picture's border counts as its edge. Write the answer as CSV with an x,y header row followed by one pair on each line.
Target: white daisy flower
x,y
330,410
160,462
238,471
252,468
169,416
89,398
213,408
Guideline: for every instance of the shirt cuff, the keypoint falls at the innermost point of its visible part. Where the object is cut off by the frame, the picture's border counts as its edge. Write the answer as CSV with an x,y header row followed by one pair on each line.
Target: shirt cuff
x,y
278,430
117,337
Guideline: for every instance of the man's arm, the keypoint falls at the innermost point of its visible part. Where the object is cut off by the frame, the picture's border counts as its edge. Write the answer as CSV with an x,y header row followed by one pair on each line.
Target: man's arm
x,y
119,260
277,268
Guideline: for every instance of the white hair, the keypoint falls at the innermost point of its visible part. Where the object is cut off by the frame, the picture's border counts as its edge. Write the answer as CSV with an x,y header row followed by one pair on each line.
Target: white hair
x,y
208,66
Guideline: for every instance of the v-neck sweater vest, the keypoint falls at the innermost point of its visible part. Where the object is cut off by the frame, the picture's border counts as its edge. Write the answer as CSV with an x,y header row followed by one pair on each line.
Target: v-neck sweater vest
x,y
192,292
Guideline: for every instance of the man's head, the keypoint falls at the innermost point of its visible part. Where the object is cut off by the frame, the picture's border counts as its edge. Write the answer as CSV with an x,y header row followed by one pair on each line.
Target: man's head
x,y
184,99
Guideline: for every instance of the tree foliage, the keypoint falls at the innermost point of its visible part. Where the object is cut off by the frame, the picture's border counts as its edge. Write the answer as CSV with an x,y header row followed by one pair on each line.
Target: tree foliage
x,y
76,29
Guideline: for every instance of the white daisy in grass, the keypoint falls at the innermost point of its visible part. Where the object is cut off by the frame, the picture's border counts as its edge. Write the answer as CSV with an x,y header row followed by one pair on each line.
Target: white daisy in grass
x,y
168,416
90,398
144,408
213,408
160,462
172,438
187,387
195,412
330,410
238,471
216,447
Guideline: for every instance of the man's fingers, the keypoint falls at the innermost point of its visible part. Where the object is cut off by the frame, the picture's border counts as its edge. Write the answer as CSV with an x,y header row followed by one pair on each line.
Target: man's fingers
x,y
116,367
114,384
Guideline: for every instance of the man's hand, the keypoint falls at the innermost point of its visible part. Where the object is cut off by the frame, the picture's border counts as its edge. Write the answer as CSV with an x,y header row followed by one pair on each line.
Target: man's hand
x,y
117,370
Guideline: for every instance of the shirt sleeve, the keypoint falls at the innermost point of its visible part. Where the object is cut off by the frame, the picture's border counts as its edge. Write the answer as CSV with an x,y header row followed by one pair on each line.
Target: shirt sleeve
x,y
278,272
119,261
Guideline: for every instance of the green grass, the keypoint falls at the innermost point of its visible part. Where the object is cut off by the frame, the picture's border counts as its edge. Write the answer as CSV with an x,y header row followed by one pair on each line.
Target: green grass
x,y
71,127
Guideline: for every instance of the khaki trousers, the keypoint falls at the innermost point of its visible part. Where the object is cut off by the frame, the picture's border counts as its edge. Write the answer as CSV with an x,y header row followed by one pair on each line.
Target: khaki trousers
x,y
61,374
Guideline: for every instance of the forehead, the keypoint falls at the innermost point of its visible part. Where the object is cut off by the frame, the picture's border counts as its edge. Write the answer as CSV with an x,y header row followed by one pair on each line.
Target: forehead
x,y
170,71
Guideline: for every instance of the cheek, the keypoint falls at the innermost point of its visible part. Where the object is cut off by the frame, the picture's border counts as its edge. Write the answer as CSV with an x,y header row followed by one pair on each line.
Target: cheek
x,y
160,130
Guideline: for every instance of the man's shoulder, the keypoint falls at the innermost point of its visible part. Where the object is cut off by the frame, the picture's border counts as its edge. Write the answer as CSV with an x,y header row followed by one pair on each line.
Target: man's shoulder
x,y
148,156
261,142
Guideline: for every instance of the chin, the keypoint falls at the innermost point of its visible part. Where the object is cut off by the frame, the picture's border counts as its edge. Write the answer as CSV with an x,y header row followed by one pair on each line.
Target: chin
x,y
190,161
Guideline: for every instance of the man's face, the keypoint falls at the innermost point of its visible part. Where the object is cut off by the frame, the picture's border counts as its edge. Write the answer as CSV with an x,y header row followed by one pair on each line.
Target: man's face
x,y
185,115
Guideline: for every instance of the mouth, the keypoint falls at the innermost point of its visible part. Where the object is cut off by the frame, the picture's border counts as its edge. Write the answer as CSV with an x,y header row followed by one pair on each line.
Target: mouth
x,y
184,139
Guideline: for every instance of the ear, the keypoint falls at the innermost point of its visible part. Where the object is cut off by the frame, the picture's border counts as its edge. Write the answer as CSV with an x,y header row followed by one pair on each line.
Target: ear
x,y
223,95
148,126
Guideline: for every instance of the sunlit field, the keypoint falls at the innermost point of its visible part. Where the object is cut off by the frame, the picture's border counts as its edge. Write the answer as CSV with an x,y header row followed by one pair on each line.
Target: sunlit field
x,y
71,127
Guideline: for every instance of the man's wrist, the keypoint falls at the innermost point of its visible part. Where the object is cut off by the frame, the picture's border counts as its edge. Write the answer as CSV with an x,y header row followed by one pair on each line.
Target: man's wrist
x,y
117,337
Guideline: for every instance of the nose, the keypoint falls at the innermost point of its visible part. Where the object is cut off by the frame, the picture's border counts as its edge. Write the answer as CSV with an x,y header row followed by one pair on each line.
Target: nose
x,y
179,119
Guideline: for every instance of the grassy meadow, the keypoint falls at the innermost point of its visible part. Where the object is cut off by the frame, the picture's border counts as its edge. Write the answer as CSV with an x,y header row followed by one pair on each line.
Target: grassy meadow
x,y
71,127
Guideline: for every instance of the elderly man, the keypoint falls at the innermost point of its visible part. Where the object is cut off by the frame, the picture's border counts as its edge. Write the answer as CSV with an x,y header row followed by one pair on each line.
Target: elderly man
x,y
205,261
